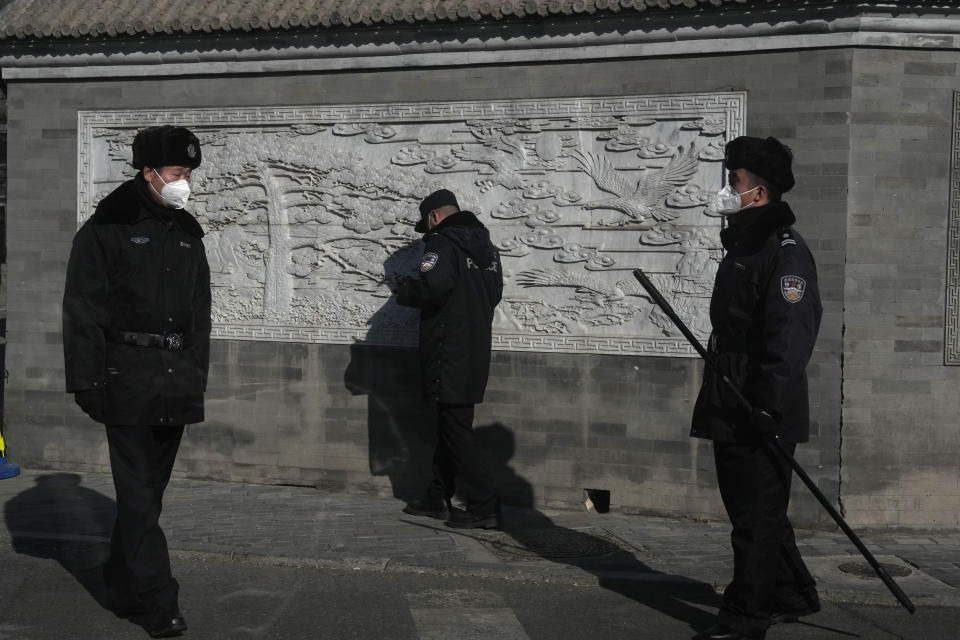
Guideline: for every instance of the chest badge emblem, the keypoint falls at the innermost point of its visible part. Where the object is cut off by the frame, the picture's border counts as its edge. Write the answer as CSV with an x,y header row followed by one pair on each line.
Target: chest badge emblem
x,y
792,288
139,239
429,261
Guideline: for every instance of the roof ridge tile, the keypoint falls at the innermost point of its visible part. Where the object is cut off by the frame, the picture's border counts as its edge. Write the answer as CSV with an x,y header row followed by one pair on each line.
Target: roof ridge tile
x,y
59,19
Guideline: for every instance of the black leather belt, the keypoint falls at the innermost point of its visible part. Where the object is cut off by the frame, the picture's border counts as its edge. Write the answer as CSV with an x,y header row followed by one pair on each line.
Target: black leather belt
x,y
168,341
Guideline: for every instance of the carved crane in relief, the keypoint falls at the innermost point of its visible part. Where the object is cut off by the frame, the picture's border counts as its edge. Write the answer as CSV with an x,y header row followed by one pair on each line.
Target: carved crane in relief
x,y
639,200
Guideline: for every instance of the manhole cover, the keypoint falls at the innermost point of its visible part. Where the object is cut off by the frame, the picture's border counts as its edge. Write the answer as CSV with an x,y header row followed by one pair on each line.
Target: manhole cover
x,y
864,570
555,543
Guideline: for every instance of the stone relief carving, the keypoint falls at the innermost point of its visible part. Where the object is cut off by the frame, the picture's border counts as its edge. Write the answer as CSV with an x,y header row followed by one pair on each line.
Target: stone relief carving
x,y
308,210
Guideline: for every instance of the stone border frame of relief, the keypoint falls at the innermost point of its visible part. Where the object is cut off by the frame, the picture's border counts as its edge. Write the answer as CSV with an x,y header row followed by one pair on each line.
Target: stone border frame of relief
x,y
951,338
731,107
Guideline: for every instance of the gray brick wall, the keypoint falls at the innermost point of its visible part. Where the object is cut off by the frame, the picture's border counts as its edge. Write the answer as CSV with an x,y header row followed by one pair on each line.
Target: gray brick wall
x,y
3,184
3,227
349,417
901,406
3,208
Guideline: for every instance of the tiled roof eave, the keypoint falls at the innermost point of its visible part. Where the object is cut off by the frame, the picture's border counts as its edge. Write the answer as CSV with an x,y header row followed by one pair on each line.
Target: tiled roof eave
x,y
75,19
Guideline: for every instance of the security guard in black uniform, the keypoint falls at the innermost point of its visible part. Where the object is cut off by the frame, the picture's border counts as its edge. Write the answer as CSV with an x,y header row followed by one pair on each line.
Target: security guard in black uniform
x,y
458,286
765,312
136,338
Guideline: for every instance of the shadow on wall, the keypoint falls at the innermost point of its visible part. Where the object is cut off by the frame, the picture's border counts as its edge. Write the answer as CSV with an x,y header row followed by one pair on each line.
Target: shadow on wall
x,y
530,534
401,424
499,445
63,521
401,428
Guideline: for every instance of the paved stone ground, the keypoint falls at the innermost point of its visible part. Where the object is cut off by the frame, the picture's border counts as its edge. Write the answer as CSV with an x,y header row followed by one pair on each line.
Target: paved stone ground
x,y
304,527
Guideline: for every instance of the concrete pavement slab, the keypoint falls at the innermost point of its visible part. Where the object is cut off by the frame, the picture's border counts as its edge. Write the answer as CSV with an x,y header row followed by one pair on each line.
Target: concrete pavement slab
x,y
306,527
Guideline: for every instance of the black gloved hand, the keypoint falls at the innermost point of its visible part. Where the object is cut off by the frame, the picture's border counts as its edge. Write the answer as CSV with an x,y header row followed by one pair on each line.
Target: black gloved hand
x,y
93,402
391,282
397,281
761,423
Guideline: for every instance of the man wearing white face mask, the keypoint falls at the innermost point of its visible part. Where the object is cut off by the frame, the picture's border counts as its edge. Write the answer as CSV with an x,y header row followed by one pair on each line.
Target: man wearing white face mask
x,y
136,339
765,312
175,193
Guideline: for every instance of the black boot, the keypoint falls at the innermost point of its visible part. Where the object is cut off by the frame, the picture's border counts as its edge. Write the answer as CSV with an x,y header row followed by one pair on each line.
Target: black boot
x,y
164,619
165,623
430,508
460,519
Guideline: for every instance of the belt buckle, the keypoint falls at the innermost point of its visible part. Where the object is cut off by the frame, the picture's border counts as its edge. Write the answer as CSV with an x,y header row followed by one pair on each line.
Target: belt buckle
x,y
173,341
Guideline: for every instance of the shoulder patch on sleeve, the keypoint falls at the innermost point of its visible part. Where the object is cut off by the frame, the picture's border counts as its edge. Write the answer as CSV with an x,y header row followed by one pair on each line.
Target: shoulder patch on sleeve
x,y
429,261
792,288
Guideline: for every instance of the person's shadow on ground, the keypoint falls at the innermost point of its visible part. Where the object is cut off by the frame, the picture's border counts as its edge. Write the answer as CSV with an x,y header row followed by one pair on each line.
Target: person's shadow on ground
x,y
529,534
61,520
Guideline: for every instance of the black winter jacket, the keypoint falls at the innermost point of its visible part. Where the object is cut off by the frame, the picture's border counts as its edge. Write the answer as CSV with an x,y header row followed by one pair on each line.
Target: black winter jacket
x,y
766,313
459,284
137,266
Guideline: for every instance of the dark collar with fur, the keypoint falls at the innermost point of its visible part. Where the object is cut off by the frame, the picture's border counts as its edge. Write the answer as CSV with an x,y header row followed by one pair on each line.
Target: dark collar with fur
x,y
130,202
750,228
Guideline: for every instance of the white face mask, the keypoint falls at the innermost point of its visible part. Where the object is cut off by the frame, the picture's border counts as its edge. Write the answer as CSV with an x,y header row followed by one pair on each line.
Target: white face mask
x,y
727,200
175,194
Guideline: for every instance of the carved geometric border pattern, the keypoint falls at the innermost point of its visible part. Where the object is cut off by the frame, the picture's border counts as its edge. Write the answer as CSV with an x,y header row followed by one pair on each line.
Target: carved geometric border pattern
x,y
501,341
951,341
732,104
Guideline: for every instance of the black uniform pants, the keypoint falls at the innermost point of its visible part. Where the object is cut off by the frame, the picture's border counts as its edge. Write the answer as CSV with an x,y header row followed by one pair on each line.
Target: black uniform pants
x,y
768,573
459,459
141,459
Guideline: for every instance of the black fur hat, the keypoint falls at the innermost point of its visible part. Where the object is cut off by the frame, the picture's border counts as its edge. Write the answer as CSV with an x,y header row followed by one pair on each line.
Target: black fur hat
x,y
766,158
166,146
433,201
